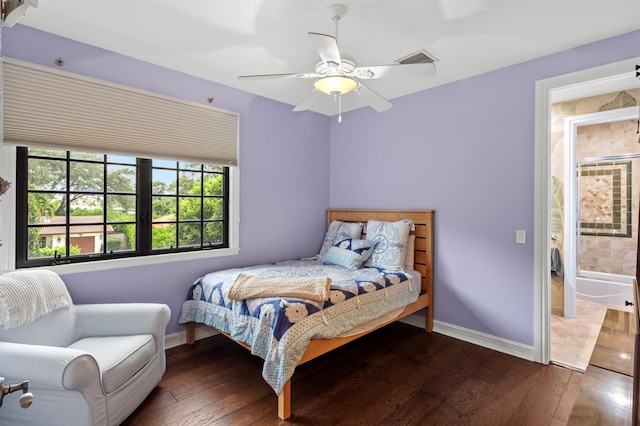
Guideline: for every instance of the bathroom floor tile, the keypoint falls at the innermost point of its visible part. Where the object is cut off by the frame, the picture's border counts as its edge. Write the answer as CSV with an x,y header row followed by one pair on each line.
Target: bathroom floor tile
x,y
573,339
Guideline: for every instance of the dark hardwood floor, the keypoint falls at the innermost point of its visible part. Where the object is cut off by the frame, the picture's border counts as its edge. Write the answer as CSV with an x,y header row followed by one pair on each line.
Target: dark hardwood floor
x,y
398,375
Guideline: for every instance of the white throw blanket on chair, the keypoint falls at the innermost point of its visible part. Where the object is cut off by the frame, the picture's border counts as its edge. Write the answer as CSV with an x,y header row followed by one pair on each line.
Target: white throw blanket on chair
x,y
28,295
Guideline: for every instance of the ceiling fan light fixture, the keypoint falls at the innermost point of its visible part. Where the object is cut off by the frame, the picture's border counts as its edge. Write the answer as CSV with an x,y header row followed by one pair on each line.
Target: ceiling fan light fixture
x,y
335,85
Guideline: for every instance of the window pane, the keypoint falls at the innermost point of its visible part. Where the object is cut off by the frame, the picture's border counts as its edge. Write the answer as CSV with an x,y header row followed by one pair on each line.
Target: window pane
x,y
213,209
189,234
90,156
164,163
190,183
43,242
85,239
120,159
212,232
213,184
190,166
86,177
46,208
121,179
47,175
41,152
86,208
189,208
126,236
163,236
212,168
164,209
164,181
121,208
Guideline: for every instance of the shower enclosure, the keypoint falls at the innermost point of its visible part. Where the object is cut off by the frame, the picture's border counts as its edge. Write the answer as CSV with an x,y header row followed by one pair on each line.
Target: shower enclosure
x,y
601,207
607,239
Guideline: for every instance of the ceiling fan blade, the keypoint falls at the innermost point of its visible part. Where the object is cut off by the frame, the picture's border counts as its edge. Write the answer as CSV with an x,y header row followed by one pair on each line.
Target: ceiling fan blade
x,y
373,99
327,47
396,71
290,75
307,101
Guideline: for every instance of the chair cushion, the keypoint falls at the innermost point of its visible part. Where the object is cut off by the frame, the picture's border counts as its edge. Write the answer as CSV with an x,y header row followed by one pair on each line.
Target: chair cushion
x,y
119,357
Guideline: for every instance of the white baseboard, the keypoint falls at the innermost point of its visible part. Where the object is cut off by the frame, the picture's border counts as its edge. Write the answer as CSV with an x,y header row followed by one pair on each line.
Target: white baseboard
x,y
481,339
180,338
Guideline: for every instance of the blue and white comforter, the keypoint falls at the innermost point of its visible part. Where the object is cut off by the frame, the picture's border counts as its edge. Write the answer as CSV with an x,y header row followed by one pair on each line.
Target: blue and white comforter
x,y
279,329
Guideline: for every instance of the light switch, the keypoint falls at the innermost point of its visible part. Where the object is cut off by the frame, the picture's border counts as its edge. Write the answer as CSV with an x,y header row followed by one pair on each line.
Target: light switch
x,y
521,236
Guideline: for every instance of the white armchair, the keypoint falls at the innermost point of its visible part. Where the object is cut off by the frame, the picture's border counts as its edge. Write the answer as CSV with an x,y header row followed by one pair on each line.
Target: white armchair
x,y
86,364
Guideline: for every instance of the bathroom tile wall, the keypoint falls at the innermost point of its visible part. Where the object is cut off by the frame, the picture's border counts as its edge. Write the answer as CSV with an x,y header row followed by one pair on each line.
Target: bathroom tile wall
x,y
606,197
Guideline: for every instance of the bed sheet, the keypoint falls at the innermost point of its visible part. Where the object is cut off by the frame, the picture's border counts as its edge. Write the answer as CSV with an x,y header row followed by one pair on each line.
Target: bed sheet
x,y
279,329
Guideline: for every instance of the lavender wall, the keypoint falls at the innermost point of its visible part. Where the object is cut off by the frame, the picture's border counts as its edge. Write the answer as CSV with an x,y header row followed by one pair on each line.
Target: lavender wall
x,y
284,161
465,150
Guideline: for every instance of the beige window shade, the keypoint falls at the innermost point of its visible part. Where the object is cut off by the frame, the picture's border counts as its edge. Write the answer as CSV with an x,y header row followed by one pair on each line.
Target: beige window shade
x,y
50,108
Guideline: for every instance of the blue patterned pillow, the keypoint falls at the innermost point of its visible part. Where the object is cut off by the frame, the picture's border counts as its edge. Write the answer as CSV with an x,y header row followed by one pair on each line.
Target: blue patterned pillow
x,y
349,253
339,231
391,241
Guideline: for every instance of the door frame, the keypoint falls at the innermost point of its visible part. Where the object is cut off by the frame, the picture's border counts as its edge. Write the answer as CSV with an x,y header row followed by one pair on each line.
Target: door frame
x,y
590,82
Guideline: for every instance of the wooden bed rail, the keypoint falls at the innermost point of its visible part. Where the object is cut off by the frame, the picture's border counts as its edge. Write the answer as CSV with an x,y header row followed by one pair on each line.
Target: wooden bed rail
x,y
320,347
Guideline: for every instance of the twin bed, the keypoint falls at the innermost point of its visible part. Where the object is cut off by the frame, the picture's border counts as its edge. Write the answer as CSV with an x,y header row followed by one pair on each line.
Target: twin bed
x,y
374,267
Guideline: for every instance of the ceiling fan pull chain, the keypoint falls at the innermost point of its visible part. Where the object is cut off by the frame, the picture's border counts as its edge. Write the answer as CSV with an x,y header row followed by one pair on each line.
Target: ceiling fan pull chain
x,y
339,108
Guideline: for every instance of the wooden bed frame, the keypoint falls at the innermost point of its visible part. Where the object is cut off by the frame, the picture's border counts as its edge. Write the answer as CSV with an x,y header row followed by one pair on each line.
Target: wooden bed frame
x,y
423,263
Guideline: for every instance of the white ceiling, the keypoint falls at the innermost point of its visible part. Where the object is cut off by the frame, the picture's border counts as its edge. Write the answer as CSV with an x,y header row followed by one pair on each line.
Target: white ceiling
x,y
219,40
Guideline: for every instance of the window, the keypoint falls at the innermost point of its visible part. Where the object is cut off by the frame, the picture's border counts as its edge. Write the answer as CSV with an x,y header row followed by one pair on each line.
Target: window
x,y
79,207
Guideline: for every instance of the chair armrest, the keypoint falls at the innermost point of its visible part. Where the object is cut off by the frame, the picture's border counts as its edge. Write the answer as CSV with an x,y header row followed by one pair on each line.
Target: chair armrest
x,y
63,368
113,319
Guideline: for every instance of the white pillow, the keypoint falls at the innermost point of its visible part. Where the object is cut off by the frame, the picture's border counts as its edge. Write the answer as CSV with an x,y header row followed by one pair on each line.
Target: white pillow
x,y
339,231
391,242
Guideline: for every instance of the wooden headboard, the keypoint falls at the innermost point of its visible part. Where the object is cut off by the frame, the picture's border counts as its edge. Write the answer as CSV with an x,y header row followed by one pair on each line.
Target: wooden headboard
x,y
423,221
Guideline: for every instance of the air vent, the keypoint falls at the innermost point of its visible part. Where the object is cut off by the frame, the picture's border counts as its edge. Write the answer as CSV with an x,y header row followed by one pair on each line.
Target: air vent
x,y
419,57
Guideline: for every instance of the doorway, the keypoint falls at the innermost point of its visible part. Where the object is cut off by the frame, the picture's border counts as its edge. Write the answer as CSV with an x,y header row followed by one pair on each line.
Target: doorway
x,y
590,82
592,175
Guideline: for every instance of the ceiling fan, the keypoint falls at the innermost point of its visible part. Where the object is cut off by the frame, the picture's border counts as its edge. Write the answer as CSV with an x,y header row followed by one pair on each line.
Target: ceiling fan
x,y
337,74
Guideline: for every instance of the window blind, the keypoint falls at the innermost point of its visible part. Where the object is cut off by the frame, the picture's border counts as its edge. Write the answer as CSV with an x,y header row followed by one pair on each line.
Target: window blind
x,y
56,109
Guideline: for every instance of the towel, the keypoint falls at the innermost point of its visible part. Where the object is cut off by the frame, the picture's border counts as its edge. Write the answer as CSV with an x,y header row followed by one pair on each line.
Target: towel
x,y
247,286
556,262
28,295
